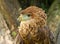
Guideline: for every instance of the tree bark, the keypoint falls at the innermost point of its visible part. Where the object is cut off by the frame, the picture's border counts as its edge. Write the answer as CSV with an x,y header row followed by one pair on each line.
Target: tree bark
x,y
5,37
9,10
54,20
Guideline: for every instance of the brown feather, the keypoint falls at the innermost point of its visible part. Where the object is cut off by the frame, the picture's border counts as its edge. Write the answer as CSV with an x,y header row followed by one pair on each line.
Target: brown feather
x,y
32,31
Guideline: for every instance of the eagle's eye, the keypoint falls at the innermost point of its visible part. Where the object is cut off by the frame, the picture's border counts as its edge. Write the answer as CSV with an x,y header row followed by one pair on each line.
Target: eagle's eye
x,y
28,15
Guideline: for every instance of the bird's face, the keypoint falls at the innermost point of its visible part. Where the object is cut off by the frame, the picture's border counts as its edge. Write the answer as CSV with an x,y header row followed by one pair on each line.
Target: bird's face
x,y
24,17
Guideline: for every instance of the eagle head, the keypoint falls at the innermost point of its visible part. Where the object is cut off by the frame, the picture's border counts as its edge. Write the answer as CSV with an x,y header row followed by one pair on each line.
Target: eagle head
x,y
31,29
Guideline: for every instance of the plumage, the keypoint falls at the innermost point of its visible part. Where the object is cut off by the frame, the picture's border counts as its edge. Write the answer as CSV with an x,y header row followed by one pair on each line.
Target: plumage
x,y
33,28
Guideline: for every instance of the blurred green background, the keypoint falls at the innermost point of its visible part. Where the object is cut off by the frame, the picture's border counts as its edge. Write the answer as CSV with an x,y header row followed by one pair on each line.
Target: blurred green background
x,y
45,4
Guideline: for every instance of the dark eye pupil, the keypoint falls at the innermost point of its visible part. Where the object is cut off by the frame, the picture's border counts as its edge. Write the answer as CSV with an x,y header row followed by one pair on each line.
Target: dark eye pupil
x,y
28,14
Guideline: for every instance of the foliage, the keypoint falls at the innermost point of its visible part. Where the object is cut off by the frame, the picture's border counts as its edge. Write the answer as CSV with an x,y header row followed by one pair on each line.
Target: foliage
x,y
14,34
54,19
45,4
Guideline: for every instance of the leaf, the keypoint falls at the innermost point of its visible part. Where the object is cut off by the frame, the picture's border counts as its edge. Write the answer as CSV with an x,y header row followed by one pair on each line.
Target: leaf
x,y
14,34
